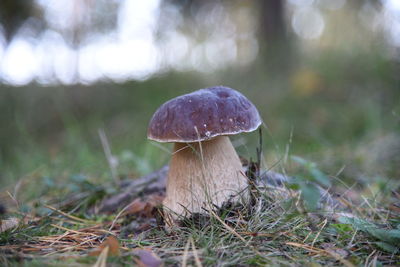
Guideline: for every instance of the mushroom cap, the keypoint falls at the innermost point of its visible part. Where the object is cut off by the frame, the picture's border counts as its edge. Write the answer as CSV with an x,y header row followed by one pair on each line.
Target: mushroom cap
x,y
202,115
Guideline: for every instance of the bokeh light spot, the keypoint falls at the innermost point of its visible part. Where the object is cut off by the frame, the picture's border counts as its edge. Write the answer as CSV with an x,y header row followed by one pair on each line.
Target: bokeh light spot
x,y
308,23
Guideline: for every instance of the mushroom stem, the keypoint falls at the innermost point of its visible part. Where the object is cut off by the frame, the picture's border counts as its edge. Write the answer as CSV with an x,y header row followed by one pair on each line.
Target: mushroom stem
x,y
202,174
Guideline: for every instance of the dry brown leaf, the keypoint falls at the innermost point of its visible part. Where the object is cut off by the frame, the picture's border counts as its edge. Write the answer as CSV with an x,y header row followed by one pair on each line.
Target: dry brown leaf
x,y
8,224
156,199
148,210
145,207
135,207
111,243
147,258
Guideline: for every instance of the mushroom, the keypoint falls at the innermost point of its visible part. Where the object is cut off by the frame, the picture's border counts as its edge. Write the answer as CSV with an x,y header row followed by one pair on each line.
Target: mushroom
x,y
205,169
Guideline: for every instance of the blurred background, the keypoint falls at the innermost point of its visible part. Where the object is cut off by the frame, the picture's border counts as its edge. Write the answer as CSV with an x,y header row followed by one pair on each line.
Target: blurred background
x,y
324,74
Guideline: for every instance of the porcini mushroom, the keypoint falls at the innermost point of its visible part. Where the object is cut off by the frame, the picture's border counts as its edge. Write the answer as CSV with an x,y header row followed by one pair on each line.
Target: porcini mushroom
x,y
204,168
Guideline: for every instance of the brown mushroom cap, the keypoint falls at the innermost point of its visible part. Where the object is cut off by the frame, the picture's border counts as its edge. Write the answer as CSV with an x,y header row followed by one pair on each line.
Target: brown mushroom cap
x,y
202,115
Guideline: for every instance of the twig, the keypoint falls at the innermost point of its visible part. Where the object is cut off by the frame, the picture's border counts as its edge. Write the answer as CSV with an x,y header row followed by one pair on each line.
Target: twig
x,y
259,152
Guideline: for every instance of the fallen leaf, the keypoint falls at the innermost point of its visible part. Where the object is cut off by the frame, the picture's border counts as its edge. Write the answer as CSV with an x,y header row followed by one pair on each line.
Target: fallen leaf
x,y
156,199
111,243
387,247
135,207
146,206
147,258
8,224
390,236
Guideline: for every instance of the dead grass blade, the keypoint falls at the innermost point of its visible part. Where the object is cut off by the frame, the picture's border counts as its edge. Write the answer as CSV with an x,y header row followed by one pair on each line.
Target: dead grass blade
x,y
111,159
319,232
230,229
196,256
72,231
185,253
102,259
325,252
68,215
119,215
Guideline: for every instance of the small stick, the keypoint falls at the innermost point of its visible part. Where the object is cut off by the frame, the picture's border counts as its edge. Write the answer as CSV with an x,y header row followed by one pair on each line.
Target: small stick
x,y
259,153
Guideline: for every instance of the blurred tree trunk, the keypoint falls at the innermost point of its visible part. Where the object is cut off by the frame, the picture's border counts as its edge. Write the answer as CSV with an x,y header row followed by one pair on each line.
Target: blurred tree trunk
x,y
13,13
272,21
276,50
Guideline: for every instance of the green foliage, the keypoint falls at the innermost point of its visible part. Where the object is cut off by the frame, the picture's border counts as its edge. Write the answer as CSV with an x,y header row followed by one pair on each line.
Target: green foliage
x,y
345,231
315,175
390,238
307,183
311,195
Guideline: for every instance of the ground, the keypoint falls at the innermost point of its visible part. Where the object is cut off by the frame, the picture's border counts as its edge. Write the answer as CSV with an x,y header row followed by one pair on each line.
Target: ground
x,y
300,220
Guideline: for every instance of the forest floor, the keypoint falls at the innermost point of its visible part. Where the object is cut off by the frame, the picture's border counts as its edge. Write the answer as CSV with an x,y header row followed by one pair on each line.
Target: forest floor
x,y
299,220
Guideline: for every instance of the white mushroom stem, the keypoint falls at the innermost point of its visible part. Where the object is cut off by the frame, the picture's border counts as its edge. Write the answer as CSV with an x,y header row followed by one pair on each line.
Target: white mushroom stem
x,y
202,174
